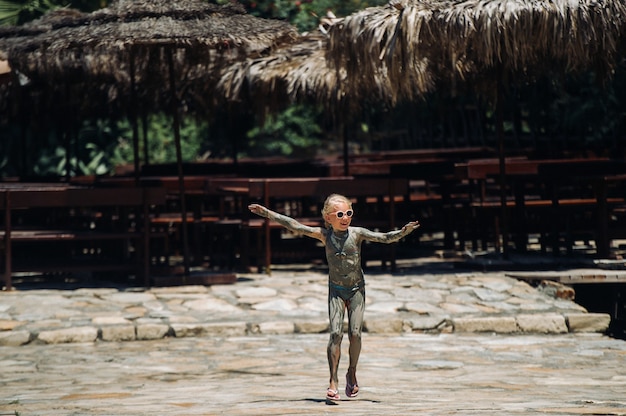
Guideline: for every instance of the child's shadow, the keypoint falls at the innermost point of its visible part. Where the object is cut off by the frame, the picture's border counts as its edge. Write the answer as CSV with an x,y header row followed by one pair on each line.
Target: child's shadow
x,y
337,402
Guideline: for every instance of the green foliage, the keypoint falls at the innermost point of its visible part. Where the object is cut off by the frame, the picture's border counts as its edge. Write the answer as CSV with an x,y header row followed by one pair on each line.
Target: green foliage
x,y
101,145
55,162
161,143
17,12
588,112
578,111
294,132
88,156
305,14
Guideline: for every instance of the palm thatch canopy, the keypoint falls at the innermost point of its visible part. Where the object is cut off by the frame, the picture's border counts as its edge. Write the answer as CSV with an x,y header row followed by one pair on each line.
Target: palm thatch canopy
x,y
129,39
483,41
152,54
101,41
460,39
293,73
300,72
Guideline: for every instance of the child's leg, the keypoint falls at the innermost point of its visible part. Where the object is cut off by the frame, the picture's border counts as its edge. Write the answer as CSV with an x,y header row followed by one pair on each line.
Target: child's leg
x,y
336,311
356,311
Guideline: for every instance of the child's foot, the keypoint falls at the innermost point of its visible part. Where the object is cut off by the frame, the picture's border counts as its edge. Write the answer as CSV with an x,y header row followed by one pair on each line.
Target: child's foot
x,y
352,390
332,394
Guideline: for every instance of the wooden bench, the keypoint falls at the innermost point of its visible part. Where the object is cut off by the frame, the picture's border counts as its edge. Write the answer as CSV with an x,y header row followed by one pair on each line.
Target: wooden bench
x,y
203,206
571,218
557,189
433,194
68,228
302,198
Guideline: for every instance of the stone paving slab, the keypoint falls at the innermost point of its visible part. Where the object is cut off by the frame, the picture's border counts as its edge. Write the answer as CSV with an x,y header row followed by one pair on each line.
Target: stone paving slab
x,y
436,299
399,374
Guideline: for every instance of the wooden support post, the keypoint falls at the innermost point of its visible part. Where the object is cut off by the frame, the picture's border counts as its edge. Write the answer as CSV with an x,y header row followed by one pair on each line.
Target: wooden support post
x,y
7,242
268,248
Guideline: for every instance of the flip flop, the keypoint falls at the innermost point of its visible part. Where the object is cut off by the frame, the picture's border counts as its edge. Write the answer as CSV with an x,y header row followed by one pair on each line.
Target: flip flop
x,y
332,394
350,388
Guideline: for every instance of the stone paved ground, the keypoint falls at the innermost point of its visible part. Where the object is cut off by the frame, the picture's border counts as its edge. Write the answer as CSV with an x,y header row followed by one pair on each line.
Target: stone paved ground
x,y
399,374
440,341
433,298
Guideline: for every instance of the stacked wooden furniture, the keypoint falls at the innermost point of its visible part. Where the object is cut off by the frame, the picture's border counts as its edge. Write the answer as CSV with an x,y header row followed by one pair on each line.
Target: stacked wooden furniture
x,y
51,228
561,200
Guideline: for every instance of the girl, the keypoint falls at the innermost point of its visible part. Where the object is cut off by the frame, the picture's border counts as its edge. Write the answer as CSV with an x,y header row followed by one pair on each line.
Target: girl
x,y
346,284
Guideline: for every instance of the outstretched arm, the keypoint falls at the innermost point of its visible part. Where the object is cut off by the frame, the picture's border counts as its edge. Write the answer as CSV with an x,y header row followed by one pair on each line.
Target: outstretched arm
x,y
287,222
391,236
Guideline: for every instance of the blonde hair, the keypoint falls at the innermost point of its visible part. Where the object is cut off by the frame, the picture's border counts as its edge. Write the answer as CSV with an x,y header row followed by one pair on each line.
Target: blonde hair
x,y
330,202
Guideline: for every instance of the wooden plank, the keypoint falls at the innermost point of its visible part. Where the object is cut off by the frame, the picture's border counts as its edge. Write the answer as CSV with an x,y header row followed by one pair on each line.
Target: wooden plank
x,y
419,154
75,266
547,203
375,188
68,235
26,195
547,168
574,276
89,197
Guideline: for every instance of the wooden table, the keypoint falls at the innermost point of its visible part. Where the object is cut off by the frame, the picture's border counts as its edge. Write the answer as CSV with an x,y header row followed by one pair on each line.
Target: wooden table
x,y
552,175
268,191
48,219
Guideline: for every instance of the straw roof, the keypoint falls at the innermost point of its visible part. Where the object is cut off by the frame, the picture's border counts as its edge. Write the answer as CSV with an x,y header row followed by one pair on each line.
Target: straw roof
x,y
290,74
294,73
465,39
106,46
69,39
300,72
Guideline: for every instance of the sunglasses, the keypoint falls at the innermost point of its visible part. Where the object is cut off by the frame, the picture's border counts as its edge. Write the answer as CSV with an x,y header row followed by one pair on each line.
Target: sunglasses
x,y
348,214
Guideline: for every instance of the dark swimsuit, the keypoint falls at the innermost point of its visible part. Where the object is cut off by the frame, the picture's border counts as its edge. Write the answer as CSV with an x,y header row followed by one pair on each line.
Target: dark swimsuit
x,y
346,284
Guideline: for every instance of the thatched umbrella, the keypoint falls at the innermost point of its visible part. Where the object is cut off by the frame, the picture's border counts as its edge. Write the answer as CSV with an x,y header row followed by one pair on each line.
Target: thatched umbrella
x,y
300,72
100,43
129,44
158,50
292,73
467,39
484,41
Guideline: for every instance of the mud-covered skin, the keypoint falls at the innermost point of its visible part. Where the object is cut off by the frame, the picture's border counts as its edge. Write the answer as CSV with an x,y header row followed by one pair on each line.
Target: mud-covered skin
x,y
340,300
343,252
346,287
346,283
343,249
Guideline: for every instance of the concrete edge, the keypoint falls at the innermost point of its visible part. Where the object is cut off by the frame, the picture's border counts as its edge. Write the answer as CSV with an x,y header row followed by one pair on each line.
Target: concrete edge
x,y
550,323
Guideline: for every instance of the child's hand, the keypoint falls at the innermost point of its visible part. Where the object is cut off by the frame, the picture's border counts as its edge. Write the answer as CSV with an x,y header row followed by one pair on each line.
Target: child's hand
x,y
258,209
412,226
